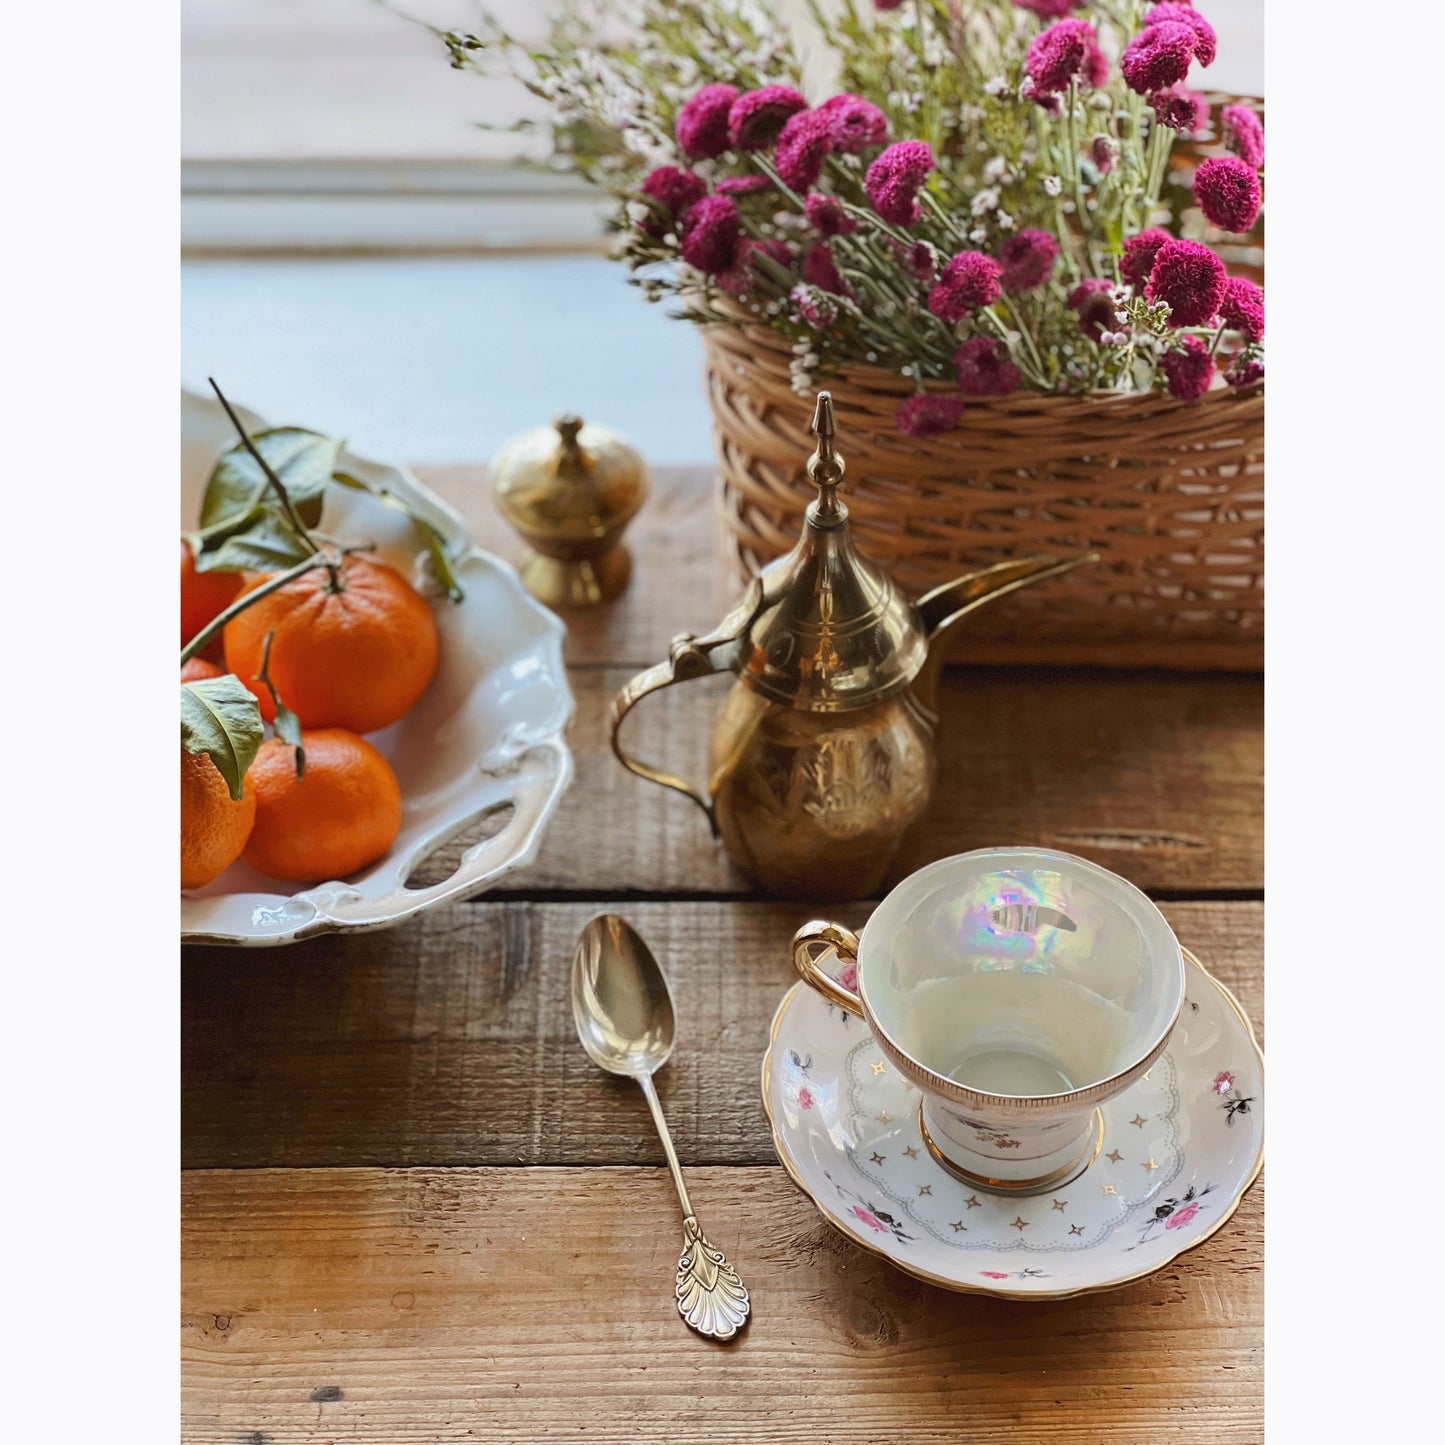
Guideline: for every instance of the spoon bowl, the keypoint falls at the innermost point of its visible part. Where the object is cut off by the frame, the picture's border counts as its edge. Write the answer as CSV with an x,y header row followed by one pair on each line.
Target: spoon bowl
x,y
621,1003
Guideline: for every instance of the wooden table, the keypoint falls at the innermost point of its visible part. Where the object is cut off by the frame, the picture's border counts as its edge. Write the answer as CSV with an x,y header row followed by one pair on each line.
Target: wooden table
x,y
413,1210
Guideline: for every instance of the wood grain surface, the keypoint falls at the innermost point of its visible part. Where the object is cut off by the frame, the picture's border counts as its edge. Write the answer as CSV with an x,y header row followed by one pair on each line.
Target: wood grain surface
x,y
414,1212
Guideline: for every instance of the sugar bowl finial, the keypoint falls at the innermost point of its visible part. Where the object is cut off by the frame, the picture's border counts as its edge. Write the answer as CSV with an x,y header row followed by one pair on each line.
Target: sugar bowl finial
x,y
825,466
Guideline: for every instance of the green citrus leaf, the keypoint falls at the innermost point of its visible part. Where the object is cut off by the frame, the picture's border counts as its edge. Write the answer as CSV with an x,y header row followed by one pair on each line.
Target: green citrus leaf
x,y
264,543
435,543
220,717
302,459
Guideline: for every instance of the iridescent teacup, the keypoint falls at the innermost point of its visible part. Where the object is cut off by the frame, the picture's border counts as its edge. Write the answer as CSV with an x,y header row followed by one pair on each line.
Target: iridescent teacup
x,y
1018,989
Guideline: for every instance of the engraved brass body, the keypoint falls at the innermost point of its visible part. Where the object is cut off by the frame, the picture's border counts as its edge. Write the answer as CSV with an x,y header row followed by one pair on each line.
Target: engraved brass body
x,y
570,489
823,755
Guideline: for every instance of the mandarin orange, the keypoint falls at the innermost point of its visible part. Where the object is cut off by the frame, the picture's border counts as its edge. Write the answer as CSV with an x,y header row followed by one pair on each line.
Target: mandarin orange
x,y
352,651
197,669
204,595
214,826
343,814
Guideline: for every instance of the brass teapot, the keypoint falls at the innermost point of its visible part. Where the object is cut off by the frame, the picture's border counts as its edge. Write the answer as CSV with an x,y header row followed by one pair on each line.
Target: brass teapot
x,y
823,755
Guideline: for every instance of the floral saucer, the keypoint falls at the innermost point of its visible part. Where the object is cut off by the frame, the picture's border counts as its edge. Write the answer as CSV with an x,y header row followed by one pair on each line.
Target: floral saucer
x,y
1180,1148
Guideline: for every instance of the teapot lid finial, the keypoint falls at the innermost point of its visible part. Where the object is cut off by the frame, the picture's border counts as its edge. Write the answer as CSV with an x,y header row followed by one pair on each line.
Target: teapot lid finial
x,y
825,466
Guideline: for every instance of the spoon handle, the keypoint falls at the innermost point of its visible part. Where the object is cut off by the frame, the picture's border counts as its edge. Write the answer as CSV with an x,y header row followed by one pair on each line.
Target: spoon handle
x,y
710,1295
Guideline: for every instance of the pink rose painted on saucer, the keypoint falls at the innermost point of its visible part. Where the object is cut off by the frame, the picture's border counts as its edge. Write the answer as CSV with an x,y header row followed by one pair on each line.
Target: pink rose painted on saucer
x,y
1223,1082
993,1274
848,975
805,1099
869,1218
1182,1216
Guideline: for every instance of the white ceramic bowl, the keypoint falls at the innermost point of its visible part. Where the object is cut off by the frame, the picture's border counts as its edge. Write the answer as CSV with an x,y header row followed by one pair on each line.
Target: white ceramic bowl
x,y
487,736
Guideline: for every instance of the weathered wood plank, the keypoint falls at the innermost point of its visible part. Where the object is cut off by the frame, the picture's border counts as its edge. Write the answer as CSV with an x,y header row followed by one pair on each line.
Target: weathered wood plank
x,y
450,1041
528,1305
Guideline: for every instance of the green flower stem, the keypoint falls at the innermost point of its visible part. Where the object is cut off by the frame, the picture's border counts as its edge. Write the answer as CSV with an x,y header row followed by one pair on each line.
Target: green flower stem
x,y
214,627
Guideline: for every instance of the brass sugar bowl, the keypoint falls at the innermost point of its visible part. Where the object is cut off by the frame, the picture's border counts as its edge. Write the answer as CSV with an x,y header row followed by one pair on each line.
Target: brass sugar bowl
x,y
570,489
823,755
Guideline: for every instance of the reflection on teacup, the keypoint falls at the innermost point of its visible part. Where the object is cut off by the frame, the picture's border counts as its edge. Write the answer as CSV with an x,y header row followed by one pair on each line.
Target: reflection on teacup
x,y
1018,989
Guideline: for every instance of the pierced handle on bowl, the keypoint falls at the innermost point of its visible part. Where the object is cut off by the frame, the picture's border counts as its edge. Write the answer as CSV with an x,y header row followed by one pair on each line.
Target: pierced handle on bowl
x,y
843,942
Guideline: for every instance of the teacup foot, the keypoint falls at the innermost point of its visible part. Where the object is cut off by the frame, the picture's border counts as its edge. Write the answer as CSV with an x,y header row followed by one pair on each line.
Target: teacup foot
x,y
1056,1178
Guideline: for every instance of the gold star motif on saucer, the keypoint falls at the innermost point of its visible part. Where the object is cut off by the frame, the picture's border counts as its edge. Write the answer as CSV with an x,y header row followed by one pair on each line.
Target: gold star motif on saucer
x,y
1145,1075
1059,1204
910,1152
1076,1229
925,1189
879,1068
1150,1167
1019,1223
1109,1189
1139,1120
884,1117
973,1201
878,1158
959,1227
1115,1155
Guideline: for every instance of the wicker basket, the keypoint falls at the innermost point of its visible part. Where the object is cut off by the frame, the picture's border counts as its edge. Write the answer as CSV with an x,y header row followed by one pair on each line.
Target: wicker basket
x,y
1170,495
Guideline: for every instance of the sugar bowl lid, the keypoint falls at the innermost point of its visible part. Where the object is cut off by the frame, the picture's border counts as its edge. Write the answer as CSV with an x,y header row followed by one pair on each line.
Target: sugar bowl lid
x,y
834,630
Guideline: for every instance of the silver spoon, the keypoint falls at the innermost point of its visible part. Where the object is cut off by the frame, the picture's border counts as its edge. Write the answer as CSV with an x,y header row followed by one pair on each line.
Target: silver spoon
x,y
623,1012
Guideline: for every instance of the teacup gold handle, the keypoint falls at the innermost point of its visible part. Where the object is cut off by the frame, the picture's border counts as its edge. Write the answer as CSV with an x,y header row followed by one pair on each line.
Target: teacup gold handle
x,y
844,942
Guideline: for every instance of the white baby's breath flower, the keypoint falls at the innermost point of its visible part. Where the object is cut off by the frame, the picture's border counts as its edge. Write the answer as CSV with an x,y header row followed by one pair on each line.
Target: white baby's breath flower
x,y
1053,186
996,85
995,170
978,235
1005,221
638,212
984,200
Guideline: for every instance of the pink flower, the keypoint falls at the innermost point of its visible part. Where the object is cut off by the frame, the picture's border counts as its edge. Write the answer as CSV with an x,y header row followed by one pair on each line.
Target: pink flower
x,y
1182,1215
1028,260
993,1274
1139,254
675,192
1158,57
1244,371
886,4
1243,308
895,178
1243,134
1064,52
1205,40
985,368
805,1099
804,144
1050,10
744,271
710,234
1093,299
1190,371
1223,1082
757,116
702,124
1228,192
869,1218
848,976
1105,152
1190,278
815,307
821,270
1185,111
857,123
742,185
928,416
827,217
968,281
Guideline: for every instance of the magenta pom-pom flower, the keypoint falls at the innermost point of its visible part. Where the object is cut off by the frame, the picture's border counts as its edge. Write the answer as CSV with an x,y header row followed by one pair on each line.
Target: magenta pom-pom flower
x,y
1158,57
1050,9
804,143
745,271
1064,52
920,260
815,308
1205,41
1139,253
968,281
1190,371
886,4
757,116
675,192
827,216
895,178
1027,260
1243,134
1190,278
1104,151
1093,300
857,123
985,368
742,186
702,124
1228,192
1242,309
710,233
821,270
1185,111
1244,371
928,416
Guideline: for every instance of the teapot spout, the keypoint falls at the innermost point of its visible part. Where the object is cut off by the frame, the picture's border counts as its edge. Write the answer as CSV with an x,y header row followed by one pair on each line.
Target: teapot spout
x,y
948,605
